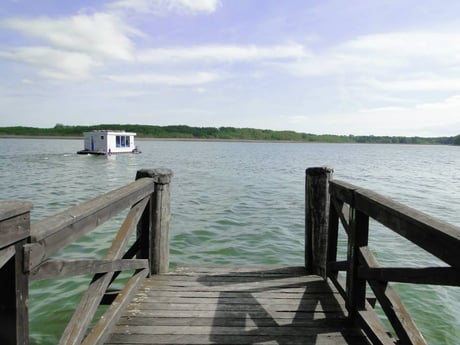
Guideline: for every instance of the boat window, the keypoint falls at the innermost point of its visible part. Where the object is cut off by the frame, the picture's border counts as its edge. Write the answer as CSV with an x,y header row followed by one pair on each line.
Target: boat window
x,y
102,137
123,141
118,141
127,142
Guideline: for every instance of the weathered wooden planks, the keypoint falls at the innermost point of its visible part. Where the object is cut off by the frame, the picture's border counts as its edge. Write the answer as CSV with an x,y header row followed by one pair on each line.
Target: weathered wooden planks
x,y
14,287
54,233
236,305
437,237
14,221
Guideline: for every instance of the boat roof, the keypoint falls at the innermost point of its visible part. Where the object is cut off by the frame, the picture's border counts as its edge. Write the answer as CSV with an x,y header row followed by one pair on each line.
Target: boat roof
x,y
109,131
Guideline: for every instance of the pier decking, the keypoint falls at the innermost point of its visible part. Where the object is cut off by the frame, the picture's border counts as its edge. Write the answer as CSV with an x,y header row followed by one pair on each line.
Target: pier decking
x,y
236,305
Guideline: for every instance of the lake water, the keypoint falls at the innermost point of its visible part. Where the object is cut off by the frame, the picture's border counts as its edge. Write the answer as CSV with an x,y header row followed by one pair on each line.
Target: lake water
x,y
237,203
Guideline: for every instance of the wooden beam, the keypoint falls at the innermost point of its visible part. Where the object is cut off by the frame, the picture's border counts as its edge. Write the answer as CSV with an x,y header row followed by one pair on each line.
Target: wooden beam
x,y
392,305
373,327
342,191
6,254
449,276
343,211
438,238
76,328
14,215
356,286
332,240
100,331
59,268
56,232
337,265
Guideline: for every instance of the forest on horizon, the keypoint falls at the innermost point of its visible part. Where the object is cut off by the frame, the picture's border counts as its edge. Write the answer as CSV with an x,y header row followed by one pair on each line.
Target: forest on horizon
x,y
223,133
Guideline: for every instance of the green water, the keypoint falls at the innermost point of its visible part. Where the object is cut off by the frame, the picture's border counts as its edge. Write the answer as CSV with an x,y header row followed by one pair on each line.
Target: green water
x,y
237,203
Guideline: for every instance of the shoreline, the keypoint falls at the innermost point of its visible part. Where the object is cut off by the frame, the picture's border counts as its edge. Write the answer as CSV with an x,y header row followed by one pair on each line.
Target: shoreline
x,y
140,139
63,137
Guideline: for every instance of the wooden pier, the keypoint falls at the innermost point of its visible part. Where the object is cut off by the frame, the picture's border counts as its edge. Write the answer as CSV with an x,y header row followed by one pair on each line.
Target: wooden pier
x,y
324,300
236,305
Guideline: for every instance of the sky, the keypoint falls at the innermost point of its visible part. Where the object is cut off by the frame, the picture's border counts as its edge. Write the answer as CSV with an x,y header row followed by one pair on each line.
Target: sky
x,y
360,67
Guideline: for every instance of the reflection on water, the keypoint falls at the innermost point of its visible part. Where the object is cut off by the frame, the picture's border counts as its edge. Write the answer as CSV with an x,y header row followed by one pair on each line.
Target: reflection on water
x,y
237,203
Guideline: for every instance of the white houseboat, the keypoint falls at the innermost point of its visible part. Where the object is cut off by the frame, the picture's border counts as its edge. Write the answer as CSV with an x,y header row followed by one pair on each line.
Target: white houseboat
x,y
107,142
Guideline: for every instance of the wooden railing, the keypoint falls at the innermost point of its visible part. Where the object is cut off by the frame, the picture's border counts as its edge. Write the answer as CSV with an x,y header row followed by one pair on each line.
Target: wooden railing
x,y
25,254
329,202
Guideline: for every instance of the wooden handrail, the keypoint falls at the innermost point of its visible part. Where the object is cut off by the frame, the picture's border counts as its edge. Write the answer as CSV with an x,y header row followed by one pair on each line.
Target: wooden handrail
x,y
353,207
26,249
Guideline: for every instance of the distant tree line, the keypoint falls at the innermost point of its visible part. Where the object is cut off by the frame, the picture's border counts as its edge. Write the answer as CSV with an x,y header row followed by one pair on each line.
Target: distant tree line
x,y
224,133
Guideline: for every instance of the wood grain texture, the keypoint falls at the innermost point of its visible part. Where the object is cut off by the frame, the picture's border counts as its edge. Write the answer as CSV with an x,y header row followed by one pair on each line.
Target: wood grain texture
x,y
236,305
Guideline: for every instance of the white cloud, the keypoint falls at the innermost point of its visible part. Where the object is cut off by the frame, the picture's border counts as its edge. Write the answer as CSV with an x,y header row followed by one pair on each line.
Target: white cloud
x,y
382,53
426,84
167,79
164,6
420,119
99,35
223,53
71,46
53,63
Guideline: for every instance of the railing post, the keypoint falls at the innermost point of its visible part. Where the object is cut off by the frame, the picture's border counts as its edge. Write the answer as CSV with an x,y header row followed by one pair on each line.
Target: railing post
x,y
358,237
153,228
14,287
317,201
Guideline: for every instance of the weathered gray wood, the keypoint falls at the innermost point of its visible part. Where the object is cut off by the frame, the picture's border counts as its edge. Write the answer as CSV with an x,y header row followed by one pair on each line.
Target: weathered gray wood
x,y
283,316
285,331
332,238
392,305
241,270
275,295
316,219
321,339
330,322
238,298
448,276
343,211
58,268
438,238
373,327
186,309
6,254
356,286
100,331
342,191
14,221
234,277
14,296
13,208
76,328
14,287
54,233
154,225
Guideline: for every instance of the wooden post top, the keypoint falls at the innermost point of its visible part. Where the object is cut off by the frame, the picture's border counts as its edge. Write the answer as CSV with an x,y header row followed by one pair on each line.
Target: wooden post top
x,y
13,208
161,175
317,171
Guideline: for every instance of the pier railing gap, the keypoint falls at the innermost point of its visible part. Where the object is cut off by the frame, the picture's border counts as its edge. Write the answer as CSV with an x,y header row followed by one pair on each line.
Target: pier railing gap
x,y
330,202
26,250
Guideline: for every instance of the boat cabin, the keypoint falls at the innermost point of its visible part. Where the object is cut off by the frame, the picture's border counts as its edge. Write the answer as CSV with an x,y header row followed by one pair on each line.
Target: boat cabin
x,y
106,142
